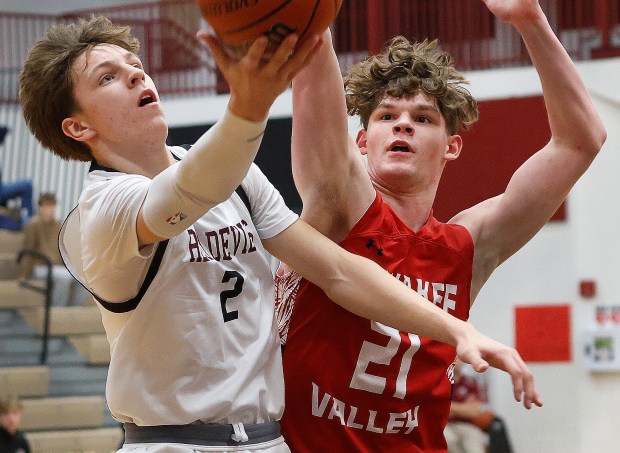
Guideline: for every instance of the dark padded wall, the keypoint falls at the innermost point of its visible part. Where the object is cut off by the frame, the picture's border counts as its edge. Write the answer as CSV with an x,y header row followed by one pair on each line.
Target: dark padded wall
x,y
274,156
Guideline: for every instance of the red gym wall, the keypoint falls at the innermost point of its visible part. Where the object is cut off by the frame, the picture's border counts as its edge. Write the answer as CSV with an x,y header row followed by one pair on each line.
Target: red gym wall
x,y
507,133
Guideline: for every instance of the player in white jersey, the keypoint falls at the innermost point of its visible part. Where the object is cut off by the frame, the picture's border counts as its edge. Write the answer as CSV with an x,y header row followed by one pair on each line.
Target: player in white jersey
x,y
175,258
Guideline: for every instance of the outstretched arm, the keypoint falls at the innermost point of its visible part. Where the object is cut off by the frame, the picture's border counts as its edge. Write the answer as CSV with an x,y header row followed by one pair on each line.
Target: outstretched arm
x,y
328,168
358,284
502,225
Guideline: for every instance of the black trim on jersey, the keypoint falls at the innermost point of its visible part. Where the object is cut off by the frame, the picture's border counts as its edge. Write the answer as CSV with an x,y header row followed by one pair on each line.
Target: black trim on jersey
x,y
94,165
244,198
131,304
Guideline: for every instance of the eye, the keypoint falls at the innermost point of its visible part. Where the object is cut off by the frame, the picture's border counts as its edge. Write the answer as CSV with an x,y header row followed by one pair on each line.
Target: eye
x,y
423,119
107,78
386,116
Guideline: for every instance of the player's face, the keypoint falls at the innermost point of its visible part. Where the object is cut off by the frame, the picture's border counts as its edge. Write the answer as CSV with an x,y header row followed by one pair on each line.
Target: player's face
x,y
47,211
406,142
118,101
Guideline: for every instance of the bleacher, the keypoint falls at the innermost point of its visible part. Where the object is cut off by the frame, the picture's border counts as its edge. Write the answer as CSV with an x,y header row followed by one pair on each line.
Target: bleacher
x,y
63,398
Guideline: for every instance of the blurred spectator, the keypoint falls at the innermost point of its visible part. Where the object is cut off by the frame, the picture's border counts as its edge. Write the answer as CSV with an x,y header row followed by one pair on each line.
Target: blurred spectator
x,y
469,419
19,191
12,440
472,427
16,203
41,235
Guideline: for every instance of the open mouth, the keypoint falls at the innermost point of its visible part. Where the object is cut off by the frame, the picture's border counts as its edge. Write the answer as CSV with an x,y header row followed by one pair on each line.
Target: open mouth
x,y
148,97
399,147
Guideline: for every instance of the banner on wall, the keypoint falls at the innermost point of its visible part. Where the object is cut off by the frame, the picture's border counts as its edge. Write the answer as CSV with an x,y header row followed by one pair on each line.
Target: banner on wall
x,y
543,333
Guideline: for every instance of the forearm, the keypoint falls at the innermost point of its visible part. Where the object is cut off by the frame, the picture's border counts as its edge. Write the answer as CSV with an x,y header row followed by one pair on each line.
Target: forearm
x,y
205,177
364,288
572,115
320,128
26,264
220,159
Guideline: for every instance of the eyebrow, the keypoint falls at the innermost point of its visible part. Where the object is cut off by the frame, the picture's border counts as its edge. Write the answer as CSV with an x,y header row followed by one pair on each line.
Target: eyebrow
x,y
422,107
107,63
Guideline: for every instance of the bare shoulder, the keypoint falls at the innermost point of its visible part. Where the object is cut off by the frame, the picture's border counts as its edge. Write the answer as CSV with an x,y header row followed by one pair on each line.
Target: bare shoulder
x,y
478,219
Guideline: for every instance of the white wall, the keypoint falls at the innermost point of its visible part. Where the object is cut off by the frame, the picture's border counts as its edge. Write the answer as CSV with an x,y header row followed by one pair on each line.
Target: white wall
x,y
579,412
578,415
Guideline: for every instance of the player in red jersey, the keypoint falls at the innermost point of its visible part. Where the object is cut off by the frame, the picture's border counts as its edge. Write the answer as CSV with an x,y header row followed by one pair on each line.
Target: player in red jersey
x,y
354,385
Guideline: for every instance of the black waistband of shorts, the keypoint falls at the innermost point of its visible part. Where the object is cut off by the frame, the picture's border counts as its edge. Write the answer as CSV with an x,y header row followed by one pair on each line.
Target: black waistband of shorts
x,y
216,435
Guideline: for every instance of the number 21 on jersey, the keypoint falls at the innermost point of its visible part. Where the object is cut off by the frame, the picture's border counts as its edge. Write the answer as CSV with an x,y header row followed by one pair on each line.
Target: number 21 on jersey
x,y
384,355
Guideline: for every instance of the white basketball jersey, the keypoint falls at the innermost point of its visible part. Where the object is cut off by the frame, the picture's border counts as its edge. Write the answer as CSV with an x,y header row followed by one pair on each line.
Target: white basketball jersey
x,y
202,343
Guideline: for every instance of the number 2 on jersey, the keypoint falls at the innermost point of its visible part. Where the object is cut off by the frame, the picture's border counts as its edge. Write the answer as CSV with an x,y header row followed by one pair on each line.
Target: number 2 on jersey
x,y
383,355
230,293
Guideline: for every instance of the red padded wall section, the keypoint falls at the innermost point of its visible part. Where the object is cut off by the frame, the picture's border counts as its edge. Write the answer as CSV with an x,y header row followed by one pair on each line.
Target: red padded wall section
x,y
543,333
507,133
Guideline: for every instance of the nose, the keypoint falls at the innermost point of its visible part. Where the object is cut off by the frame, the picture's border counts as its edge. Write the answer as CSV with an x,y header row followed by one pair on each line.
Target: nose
x,y
403,126
136,75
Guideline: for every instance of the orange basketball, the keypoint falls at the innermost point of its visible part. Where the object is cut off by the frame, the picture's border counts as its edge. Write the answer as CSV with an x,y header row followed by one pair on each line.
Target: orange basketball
x,y
238,22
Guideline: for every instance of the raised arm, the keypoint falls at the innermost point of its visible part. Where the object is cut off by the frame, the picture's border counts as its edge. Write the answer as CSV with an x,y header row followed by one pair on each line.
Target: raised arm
x,y
362,287
502,225
328,169
220,159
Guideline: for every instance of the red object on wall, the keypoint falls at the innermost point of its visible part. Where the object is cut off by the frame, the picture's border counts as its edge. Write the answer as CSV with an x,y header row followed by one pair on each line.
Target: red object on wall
x,y
543,333
508,132
587,288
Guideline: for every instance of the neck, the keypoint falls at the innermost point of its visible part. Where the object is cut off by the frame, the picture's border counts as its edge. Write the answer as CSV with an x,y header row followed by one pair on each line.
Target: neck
x,y
412,208
143,161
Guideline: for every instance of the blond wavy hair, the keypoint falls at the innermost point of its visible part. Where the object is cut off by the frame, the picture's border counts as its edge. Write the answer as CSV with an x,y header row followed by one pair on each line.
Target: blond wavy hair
x,y
404,69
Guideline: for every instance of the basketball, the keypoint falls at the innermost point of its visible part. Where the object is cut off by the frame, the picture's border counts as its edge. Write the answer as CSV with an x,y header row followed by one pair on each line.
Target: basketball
x,y
239,22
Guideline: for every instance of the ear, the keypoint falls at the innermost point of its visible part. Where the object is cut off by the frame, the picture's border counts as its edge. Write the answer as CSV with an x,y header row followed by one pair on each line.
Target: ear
x,y
77,129
453,148
361,141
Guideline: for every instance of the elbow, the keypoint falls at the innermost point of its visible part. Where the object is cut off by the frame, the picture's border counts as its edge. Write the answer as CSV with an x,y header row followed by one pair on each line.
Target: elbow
x,y
589,143
598,137
602,138
336,281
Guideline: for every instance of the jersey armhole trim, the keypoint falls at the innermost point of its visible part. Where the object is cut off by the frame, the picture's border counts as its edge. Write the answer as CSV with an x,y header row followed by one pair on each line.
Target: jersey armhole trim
x,y
131,304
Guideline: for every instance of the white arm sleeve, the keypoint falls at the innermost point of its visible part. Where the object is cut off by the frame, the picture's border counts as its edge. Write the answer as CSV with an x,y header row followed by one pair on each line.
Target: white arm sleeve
x,y
207,175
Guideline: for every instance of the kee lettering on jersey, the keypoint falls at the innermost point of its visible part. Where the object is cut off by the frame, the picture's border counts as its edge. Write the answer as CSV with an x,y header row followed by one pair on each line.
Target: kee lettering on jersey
x,y
436,292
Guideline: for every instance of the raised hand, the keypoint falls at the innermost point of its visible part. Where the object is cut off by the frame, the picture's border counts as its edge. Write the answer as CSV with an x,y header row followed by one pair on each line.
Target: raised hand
x,y
513,11
481,352
257,79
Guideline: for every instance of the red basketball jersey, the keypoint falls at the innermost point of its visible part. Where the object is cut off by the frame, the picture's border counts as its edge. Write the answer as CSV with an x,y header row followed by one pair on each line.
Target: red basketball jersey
x,y
354,385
